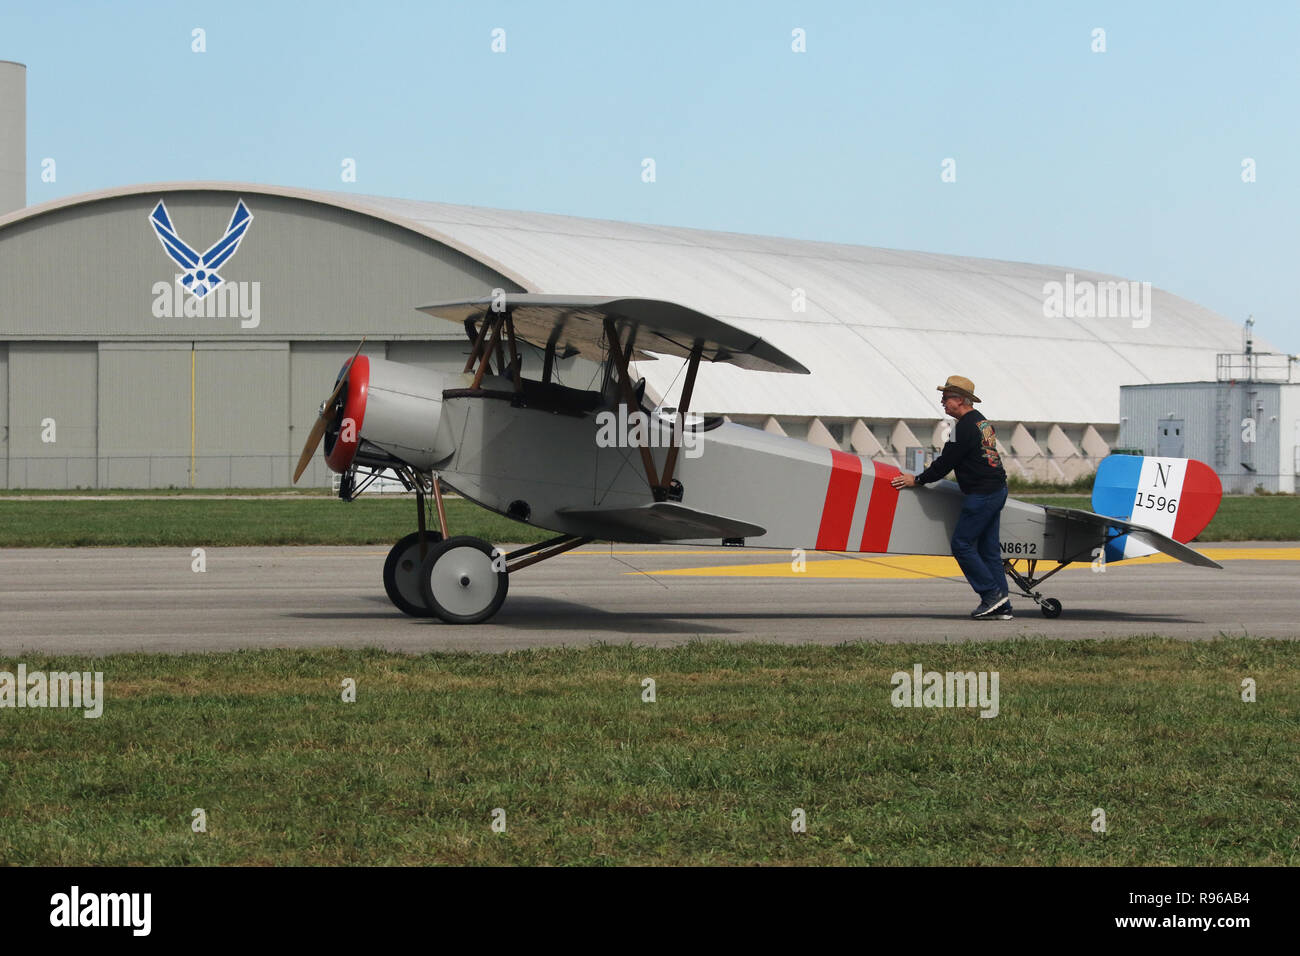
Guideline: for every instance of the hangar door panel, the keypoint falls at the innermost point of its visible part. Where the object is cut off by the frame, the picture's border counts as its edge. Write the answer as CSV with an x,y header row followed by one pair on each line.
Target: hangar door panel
x,y
52,398
448,358
4,413
241,414
144,415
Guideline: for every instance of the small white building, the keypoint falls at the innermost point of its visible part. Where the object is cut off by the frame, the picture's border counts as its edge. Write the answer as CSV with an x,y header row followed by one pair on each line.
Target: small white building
x,y
1245,425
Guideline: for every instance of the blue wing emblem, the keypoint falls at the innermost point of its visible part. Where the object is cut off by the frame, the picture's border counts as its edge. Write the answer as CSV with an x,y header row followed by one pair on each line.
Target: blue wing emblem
x,y
197,270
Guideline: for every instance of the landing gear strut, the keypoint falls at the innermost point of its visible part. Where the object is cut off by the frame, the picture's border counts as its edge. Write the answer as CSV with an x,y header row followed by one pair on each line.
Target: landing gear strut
x,y
402,572
1050,607
460,580
464,580
406,558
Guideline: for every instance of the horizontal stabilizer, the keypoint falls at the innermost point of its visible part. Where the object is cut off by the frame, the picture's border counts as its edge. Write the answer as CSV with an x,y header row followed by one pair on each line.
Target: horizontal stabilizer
x,y
1148,536
658,521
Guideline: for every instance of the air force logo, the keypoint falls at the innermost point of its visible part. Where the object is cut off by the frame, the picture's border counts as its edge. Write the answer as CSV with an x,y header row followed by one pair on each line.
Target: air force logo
x,y
198,275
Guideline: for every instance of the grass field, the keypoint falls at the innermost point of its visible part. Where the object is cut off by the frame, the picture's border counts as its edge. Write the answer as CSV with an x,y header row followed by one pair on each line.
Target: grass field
x,y
1152,731
173,492
187,522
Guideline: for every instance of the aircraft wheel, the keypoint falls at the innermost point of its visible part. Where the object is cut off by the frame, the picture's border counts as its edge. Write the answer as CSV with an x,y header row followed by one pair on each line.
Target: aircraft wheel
x,y
402,573
459,582
1050,607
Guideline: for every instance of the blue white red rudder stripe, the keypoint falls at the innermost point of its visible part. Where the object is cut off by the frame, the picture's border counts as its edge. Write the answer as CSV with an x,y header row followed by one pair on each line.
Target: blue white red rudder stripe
x,y
1175,496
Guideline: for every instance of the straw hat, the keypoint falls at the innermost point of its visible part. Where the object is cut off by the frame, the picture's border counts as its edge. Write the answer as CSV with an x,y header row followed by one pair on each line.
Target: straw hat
x,y
963,386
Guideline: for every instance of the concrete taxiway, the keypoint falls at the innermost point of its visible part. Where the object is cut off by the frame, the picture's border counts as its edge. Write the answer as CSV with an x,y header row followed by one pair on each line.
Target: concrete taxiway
x,y
107,600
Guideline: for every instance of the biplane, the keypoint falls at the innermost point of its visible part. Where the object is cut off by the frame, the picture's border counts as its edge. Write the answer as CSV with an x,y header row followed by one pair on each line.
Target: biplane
x,y
519,442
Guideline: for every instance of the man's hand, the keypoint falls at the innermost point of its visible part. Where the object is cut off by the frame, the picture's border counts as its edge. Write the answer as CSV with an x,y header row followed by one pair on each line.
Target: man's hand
x,y
903,481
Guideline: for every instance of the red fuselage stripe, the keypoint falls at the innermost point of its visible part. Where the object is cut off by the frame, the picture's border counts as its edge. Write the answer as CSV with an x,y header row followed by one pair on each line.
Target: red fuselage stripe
x,y
880,509
841,496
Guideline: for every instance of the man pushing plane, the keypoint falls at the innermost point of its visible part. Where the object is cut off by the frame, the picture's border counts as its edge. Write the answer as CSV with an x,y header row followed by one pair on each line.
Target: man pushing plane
x,y
973,455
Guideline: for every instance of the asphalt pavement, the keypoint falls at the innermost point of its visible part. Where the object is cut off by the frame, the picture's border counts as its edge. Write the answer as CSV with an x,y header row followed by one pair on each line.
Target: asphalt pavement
x,y
106,600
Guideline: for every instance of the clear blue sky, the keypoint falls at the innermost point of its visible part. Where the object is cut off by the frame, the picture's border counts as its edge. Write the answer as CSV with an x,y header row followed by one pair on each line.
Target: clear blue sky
x,y
1127,161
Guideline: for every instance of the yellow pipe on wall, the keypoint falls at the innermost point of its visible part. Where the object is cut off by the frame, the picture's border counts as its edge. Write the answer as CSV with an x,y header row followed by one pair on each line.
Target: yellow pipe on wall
x,y
192,416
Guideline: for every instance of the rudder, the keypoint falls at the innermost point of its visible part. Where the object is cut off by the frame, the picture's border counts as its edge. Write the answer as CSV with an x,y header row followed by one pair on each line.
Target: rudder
x,y
1174,496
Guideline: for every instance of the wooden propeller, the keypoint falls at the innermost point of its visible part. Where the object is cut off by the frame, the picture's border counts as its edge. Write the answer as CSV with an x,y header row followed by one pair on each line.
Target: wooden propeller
x,y
322,419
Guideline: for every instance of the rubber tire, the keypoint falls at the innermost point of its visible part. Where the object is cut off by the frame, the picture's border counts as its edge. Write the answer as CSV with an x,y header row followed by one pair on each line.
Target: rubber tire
x,y
1050,607
453,559
408,549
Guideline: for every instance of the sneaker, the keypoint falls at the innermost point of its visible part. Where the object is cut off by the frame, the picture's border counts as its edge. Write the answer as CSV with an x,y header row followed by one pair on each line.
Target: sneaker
x,y
993,610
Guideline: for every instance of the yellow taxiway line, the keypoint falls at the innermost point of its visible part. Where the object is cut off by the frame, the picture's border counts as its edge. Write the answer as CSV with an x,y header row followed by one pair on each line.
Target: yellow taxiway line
x,y
904,566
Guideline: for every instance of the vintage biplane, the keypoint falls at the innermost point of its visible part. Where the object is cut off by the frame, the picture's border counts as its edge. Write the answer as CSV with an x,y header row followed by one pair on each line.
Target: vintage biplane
x,y
517,441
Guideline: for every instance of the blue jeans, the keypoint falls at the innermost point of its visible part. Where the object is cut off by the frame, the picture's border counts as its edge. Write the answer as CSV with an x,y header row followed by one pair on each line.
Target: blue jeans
x,y
976,547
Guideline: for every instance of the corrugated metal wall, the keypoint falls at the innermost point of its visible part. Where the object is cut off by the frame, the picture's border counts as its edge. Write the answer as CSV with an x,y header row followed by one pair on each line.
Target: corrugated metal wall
x,y
446,357
129,414
88,271
242,414
4,410
120,393
144,414
53,395
1289,436
1216,429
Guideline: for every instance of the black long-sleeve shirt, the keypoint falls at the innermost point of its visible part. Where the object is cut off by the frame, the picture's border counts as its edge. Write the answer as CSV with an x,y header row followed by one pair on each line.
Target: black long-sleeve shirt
x,y
973,454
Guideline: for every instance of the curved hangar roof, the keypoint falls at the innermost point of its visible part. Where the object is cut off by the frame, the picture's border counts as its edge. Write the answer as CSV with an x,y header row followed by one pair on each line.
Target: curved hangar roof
x,y
878,329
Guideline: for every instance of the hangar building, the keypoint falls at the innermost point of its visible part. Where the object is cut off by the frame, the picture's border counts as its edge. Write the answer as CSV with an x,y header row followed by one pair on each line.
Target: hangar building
x,y
112,374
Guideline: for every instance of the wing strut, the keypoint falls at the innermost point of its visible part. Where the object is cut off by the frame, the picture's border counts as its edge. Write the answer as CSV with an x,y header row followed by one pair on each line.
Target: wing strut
x,y
679,421
625,384
659,487
514,352
492,346
485,347
478,345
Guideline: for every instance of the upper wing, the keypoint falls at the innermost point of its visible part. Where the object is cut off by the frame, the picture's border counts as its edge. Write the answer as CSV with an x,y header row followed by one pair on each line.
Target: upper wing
x,y
659,521
1148,536
176,248
578,322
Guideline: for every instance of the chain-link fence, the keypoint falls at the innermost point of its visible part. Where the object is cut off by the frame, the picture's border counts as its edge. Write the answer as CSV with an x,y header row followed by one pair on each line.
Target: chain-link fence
x,y
161,471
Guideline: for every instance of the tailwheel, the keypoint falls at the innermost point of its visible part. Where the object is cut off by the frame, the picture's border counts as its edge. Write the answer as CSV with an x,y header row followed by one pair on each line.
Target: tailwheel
x,y
402,573
1029,580
463,580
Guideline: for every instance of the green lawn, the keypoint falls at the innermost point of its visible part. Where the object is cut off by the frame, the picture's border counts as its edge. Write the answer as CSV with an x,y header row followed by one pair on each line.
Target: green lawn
x,y
171,492
183,520
1150,730
224,523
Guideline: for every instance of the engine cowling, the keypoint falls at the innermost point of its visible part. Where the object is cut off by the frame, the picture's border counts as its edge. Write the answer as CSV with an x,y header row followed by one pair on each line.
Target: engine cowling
x,y
386,414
